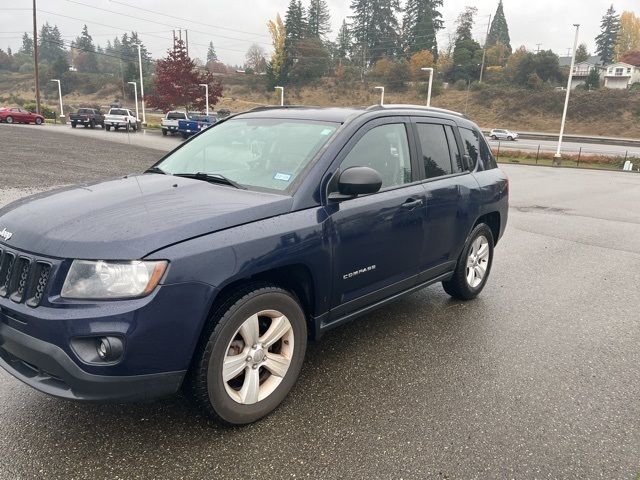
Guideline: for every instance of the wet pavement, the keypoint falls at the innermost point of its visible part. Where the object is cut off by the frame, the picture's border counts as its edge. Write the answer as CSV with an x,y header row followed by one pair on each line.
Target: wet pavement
x,y
537,378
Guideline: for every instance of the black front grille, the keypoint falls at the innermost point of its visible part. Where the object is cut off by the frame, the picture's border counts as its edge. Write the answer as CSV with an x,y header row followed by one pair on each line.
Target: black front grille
x,y
23,278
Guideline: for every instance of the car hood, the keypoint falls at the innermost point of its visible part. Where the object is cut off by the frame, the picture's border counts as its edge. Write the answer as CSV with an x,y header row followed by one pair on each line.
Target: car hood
x,y
129,218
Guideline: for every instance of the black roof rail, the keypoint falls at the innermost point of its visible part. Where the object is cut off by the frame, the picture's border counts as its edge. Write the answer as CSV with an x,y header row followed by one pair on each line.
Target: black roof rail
x,y
405,106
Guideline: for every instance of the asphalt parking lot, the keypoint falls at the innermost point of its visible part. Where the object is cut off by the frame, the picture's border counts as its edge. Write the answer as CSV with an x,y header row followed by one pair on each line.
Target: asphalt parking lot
x,y
537,378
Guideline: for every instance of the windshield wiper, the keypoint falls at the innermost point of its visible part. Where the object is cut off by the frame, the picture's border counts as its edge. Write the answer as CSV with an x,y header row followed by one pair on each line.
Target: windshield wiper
x,y
211,177
155,170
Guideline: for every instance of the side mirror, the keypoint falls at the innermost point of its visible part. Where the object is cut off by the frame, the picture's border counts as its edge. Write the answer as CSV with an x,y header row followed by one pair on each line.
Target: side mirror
x,y
359,181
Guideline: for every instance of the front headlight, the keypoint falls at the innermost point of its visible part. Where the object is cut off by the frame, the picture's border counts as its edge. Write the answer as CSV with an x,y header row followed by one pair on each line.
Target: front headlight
x,y
102,280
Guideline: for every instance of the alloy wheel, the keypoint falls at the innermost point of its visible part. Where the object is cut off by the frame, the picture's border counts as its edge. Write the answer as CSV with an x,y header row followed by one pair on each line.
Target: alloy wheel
x,y
477,261
258,357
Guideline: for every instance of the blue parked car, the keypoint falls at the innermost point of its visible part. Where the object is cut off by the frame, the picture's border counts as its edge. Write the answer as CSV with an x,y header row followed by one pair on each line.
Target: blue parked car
x,y
195,124
213,269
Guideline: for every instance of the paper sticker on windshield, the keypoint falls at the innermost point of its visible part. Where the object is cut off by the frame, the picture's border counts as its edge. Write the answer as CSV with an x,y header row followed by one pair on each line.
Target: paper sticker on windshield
x,y
282,176
326,131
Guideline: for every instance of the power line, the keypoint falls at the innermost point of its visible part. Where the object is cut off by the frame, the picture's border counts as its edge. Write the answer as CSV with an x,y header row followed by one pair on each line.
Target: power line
x,y
160,23
191,21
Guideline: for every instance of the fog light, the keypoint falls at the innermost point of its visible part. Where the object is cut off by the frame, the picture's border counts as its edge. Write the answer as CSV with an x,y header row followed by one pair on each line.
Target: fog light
x,y
109,349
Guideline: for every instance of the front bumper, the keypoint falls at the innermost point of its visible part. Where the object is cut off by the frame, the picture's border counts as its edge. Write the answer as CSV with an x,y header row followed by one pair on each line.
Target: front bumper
x,y
159,333
46,367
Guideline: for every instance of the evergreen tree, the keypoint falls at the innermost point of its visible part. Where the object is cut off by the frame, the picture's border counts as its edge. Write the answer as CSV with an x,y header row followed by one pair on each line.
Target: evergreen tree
x,y
592,82
85,59
608,37
499,30
464,23
295,23
27,44
421,24
343,42
211,54
375,28
50,44
467,53
319,19
582,54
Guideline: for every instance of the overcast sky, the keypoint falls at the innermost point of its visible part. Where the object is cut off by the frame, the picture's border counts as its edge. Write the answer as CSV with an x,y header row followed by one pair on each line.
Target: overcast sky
x,y
234,24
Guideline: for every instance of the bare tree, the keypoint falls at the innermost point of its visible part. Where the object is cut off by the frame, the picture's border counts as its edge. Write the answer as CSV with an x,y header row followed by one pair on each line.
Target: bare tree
x,y
255,59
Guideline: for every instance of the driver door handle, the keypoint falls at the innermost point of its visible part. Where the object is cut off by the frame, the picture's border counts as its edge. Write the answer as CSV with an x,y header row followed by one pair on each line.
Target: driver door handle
x,y
412,203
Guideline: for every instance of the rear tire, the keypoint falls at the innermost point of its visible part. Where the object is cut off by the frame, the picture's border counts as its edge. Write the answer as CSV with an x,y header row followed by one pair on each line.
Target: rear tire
x,y
108,127
250,355
474,265
164,133
493,137
510,139
73,125
92,125
185,136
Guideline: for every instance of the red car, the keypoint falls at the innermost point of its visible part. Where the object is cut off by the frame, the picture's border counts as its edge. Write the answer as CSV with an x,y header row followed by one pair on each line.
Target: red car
x,y
20,115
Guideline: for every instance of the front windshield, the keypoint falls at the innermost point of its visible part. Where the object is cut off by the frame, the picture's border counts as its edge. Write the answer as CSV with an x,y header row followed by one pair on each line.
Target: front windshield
x,y
254,152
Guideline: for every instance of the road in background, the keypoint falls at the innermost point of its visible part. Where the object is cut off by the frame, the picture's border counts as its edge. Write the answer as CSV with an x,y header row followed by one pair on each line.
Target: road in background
x,y
537,378
568,148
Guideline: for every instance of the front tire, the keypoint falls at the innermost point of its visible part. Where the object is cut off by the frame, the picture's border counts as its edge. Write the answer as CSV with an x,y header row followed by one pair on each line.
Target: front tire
x,y
251,356
38,121
73,125
510,139
474,265
9,119
108,127
164,133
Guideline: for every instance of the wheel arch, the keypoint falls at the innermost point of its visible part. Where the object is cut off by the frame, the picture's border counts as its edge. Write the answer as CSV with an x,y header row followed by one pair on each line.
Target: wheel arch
x,y
492,220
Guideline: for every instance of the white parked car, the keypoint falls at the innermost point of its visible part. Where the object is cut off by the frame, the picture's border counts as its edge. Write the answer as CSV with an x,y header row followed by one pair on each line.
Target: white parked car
x,y
121,118
170,121
502,134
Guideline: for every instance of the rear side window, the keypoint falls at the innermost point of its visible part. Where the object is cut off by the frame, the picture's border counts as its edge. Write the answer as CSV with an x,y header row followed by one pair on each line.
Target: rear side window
x,y
477,149
435,150
458,166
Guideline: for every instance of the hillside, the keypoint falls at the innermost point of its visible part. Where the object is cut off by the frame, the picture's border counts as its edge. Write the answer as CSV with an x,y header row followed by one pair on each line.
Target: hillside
x,y
603,112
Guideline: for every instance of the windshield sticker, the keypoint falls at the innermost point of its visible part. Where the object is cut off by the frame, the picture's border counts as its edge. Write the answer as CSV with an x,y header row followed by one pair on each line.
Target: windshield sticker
x,y
326,131
282,176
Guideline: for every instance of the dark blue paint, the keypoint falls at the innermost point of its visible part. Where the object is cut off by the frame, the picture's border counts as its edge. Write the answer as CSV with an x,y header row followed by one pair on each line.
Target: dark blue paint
x,y
215,236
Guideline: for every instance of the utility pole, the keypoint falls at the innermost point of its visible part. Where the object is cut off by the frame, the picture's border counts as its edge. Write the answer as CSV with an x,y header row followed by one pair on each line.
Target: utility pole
x,y
206,96
35,57
538,49
484,50
186,39
557,157
281,95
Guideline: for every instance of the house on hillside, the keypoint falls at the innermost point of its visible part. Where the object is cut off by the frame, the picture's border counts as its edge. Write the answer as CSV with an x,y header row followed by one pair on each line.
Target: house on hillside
x,y
582,70
621,75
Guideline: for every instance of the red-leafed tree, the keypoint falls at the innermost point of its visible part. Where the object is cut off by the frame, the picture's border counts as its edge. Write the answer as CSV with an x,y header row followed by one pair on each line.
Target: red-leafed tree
x,y
177,83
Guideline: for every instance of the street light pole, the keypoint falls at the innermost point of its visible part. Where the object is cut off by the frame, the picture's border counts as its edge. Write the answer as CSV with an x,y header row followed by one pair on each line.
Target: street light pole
x,y
430,70
381,94
557,157
135,96
281,95
206,95
35,57
144,116
59,96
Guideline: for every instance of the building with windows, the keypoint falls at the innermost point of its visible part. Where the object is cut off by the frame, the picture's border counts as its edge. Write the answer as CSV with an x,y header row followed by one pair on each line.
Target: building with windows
x,y
621,75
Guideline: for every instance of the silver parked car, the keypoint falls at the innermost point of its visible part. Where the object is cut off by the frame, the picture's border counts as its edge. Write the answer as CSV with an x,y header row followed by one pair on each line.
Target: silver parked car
x,y
502,134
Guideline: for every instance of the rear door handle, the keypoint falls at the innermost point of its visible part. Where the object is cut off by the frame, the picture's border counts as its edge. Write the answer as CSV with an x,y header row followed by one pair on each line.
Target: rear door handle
x,y
412,203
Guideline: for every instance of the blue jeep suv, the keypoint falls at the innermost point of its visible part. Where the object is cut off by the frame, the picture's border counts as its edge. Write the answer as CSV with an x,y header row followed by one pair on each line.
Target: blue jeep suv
x,y
212,269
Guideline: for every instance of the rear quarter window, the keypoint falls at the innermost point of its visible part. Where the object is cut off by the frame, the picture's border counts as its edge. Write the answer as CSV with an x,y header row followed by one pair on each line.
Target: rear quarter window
x,y
477,149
